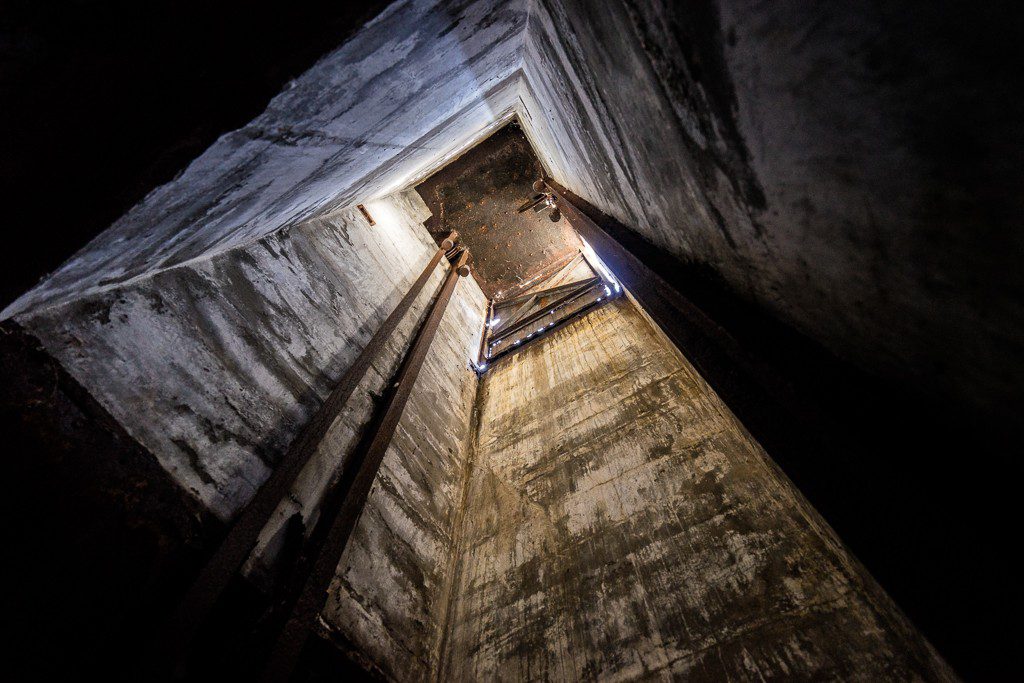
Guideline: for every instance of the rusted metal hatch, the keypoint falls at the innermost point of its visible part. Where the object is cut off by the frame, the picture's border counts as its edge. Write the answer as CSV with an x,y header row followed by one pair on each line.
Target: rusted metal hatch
x,y
479,194
527,258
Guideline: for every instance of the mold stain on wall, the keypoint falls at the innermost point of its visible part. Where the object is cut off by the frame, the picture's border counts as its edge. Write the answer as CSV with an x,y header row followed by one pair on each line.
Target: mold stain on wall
x,y
621,524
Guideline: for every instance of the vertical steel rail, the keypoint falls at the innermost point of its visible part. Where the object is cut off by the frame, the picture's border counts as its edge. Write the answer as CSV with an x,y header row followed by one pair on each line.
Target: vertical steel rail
x,y
705,343
355,484
207,588
483,354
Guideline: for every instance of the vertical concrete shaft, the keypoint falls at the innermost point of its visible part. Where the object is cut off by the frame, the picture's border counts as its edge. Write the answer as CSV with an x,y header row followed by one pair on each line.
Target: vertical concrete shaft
x,y
622,525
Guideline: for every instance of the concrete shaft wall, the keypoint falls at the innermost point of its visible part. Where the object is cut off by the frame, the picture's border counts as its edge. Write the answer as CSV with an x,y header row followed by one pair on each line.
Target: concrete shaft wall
x,y
417,85
618,522
848,167
389,598
621,525
214,366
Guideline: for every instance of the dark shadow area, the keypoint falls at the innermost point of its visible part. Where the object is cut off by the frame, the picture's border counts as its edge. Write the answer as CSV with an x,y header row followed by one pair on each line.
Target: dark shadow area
x,y
918,487
103,102
102,543
100,539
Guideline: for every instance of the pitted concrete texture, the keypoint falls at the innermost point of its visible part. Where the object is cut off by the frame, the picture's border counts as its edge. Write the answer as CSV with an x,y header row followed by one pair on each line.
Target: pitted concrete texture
x,y
479,195
851,168
214,366
390,595
417,85
622,525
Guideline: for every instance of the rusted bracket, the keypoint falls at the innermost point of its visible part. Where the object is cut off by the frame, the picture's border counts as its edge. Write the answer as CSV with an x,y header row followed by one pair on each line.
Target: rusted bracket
x,y
354,487
551,291
193,610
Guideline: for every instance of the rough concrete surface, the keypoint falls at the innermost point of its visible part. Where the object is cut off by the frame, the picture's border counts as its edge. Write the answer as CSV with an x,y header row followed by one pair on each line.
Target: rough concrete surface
x,y
850,168
417,85
622,525
608,518
214,366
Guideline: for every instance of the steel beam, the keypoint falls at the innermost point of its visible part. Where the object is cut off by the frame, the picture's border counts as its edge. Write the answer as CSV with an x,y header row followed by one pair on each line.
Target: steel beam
x,y
193,610
354,487
573,294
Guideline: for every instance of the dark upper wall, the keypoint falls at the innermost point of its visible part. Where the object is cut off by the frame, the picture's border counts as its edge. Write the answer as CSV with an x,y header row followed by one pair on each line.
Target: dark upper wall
x,y
105,101
853,169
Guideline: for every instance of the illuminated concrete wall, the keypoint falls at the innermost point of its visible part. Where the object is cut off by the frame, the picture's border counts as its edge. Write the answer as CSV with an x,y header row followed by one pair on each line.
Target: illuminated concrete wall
x,y
213,367
622,525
